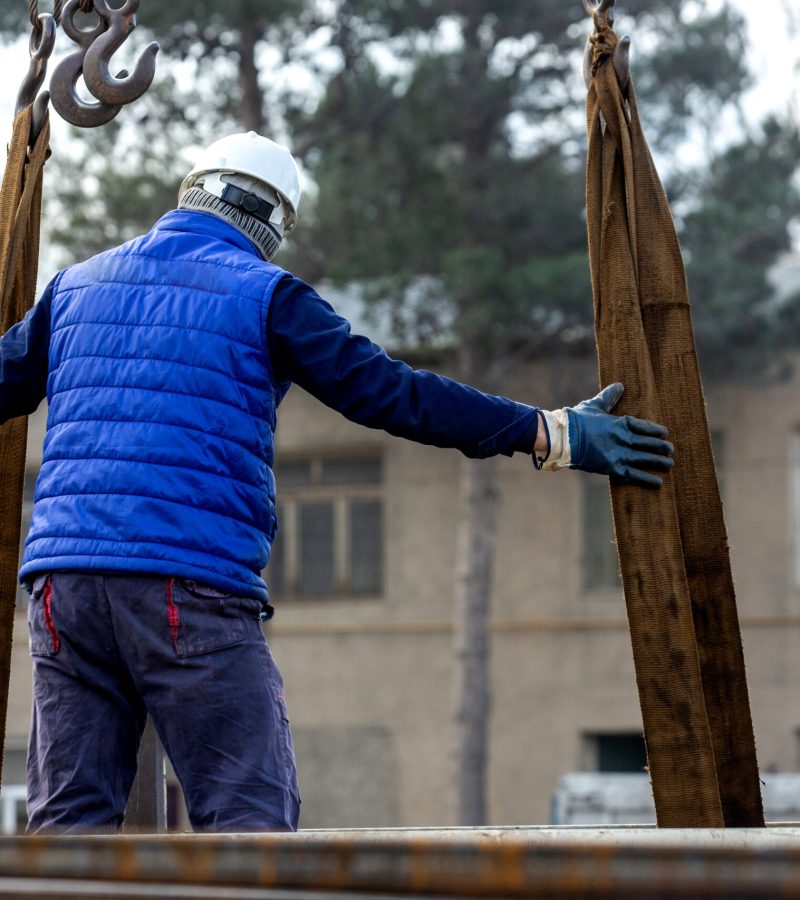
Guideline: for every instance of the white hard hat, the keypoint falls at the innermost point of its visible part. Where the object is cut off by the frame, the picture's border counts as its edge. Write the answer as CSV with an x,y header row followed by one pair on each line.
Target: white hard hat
x,y
258,157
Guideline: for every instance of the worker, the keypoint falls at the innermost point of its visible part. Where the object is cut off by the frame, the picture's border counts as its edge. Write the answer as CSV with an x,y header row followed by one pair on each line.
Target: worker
x,y
164,361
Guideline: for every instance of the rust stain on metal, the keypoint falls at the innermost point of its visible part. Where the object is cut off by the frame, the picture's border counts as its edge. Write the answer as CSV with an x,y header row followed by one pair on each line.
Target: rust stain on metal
x,y
268,867
461,864
418,876
127,862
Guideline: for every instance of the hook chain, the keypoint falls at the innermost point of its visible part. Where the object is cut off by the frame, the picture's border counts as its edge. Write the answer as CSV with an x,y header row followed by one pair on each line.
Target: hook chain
x,y
86,6
91,60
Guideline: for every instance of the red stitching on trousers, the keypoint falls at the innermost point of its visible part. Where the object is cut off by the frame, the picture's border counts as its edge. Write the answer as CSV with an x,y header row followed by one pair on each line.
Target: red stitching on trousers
x,y
48,616
172,614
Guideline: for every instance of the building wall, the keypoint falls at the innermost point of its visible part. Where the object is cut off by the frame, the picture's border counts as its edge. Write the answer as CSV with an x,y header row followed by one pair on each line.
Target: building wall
x,y
369,681
561,659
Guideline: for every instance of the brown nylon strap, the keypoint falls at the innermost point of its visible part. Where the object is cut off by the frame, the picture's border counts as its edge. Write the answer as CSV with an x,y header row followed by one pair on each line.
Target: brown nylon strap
x,y
670,337
20,218
672,543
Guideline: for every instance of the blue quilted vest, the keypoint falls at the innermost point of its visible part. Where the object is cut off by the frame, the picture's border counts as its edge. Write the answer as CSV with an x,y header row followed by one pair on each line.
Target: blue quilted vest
x,y
159,447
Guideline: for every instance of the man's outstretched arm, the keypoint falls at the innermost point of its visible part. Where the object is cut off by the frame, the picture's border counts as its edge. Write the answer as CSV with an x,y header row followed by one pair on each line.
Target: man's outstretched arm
x,y
24,352
314,347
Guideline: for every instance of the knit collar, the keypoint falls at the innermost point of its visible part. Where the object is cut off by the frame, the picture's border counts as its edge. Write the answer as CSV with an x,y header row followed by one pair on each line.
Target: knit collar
x,y
194,222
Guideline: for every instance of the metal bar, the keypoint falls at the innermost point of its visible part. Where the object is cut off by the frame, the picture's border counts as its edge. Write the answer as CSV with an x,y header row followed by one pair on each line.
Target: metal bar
x,y
564,863
147,804
21,888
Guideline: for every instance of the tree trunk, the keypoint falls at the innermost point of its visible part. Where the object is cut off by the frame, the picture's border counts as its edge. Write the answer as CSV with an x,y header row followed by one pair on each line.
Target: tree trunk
x,y
251,106
474,561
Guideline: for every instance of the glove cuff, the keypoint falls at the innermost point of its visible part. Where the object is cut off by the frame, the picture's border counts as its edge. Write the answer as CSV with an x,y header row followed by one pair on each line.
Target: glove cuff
x,y
557,424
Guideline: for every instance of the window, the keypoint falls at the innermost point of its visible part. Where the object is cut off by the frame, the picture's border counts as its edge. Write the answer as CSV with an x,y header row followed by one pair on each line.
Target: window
x,y
13,808
615,752
330,537
27,510
600,562
13,816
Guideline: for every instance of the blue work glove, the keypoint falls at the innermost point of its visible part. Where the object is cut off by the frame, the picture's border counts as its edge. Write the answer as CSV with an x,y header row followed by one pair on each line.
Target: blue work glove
x,y
619,446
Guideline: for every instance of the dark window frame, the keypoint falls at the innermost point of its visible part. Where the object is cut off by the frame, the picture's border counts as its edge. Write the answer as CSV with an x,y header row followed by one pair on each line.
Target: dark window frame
x,y
339,482
600,562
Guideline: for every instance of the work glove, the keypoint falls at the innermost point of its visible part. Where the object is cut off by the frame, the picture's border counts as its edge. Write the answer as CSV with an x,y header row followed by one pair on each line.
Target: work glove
x,y
589,438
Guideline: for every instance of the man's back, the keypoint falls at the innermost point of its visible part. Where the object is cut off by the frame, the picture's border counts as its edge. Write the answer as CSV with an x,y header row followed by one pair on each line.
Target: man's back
x,y
162,410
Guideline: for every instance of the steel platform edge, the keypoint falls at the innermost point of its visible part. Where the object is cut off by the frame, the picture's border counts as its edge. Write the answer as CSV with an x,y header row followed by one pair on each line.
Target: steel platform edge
x,y
569,862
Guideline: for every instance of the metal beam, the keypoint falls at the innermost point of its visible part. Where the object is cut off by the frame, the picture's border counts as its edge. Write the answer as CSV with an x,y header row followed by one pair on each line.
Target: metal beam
x,y
147,804
565,863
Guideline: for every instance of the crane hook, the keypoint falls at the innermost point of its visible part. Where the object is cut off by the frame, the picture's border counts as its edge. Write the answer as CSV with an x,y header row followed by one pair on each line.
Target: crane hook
x,y
63,83
603,12
96,74
602,8
42,42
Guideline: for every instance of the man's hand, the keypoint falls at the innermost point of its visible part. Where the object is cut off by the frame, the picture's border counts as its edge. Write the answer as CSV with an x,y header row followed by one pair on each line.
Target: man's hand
x,y
619,446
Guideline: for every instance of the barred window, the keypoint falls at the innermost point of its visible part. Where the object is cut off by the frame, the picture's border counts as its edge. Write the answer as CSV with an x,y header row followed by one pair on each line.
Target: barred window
x,y
330,528
600,562
13,817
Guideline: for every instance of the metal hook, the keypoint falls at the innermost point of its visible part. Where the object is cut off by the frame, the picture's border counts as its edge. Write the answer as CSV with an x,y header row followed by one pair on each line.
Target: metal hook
x,y
41,49
63,92
603,8
42,42
622,62
40,113
603,11
96,73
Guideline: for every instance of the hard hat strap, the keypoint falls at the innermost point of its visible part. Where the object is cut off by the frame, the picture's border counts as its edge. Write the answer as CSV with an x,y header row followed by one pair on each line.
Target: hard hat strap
x,y
248,202
266,237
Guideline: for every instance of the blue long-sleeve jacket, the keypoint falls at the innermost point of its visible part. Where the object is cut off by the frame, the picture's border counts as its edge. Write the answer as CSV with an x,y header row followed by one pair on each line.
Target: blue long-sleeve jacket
x,y
164,361
314,347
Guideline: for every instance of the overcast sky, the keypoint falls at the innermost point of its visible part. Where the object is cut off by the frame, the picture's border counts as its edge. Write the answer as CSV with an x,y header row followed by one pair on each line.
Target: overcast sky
x,y
774,32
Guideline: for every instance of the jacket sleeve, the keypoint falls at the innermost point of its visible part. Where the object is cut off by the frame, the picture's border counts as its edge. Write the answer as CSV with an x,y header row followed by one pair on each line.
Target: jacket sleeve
x,y
24,351
314,347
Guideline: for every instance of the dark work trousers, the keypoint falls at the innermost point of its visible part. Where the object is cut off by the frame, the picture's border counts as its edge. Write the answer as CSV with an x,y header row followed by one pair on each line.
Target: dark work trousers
x,y
107,650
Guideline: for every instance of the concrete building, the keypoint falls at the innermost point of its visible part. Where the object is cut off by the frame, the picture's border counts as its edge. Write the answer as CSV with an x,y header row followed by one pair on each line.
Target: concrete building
x,y
363,582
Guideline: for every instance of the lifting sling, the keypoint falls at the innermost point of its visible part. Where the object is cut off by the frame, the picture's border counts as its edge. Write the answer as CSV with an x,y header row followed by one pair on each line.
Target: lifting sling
x,y
20,215
672,542
20,220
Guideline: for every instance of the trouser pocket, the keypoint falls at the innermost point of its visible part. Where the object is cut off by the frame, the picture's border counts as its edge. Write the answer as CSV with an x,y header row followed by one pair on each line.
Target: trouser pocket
x,y
42,631
283,736
203,619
